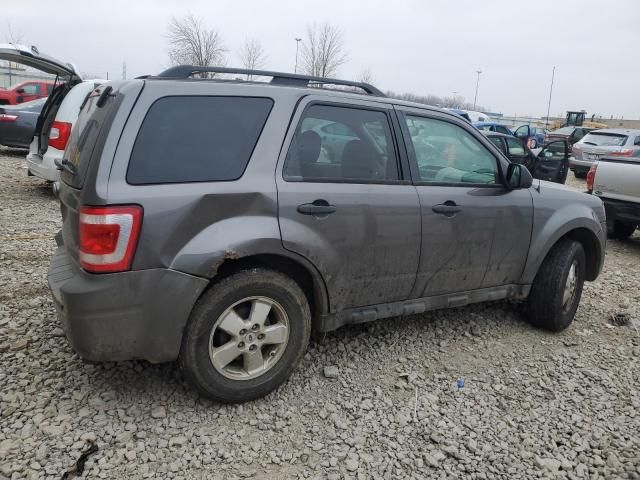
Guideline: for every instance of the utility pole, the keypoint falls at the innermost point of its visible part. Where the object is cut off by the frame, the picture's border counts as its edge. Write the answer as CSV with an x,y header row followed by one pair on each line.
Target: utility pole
x,y
124,70
475,98
298,40
553,74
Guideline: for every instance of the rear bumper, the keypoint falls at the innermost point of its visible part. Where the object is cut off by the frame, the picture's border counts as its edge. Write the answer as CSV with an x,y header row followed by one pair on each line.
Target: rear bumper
x,y
579,164
122,316
43,167
622,211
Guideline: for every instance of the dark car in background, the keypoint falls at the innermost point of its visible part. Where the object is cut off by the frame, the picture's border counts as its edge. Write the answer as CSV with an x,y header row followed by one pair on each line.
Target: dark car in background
x,y
18,123
571,134
492,127
551,163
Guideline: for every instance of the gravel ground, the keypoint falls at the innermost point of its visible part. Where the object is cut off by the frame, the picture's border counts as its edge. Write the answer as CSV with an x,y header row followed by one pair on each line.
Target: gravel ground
x,y
533,404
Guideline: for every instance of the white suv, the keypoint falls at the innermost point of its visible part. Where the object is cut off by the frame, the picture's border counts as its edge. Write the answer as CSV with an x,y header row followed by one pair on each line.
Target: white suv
x,y
58,114
41,160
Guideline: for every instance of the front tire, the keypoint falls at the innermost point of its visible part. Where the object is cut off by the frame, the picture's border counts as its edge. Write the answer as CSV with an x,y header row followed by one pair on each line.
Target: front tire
x,y
557,288
245,335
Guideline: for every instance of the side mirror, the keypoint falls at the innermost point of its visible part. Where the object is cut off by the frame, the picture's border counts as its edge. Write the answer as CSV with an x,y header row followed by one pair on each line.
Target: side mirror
x,y
20,91
518,176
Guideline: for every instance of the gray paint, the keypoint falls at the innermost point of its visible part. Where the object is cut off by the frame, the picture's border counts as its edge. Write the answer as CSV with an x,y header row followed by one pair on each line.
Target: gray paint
x,y
383,252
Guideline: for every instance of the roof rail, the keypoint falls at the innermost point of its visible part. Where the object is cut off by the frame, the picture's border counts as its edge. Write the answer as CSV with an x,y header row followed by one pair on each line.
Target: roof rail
x,y
279,78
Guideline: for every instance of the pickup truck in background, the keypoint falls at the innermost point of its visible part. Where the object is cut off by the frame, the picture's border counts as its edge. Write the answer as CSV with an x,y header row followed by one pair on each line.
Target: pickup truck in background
x,y
617,182
25,92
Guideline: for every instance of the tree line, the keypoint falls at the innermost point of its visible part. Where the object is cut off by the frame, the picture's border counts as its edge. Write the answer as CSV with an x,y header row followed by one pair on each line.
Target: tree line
x,y
322,53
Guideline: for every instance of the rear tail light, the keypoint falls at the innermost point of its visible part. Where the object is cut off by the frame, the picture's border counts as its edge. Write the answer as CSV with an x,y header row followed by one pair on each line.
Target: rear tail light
x,y
59,135
591,175
108,237
627,152
5,117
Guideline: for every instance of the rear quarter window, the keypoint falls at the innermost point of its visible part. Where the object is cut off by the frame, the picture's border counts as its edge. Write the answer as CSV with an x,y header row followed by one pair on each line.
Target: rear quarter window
x,y
197,139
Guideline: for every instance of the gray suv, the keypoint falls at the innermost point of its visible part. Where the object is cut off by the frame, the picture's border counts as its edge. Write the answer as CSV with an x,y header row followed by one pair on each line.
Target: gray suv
x,y
217,222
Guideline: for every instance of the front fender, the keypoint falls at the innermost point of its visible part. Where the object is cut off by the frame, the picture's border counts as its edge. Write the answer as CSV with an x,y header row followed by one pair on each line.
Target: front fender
x,y
551,224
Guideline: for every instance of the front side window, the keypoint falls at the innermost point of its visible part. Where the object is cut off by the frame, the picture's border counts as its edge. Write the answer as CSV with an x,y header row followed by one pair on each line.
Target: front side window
x,y
501,129
446,153
338,144
197,139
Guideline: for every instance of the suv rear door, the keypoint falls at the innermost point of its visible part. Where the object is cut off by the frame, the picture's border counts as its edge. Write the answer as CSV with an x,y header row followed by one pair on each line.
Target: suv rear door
x,y
351,211
476,232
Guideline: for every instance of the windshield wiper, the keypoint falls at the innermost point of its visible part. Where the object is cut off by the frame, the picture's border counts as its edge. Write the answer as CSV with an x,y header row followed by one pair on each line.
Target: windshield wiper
x,y
590,143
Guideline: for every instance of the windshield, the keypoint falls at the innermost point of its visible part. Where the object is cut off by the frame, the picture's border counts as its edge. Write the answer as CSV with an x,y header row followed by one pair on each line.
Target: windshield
x,y
605,139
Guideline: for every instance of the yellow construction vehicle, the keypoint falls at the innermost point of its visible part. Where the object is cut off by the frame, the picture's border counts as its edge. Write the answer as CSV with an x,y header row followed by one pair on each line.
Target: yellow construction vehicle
x,y
576,119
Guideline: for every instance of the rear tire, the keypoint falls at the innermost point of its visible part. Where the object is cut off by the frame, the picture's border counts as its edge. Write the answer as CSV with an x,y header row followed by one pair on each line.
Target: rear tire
x,y
580,173
620,230
221,327
557,288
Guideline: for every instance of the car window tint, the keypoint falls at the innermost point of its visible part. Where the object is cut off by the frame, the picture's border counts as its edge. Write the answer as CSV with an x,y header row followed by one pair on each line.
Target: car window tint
x,y
446,153
197,139
515,147
342,144
501,129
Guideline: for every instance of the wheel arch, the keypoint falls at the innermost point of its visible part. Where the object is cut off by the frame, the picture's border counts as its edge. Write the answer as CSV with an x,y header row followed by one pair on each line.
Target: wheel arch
x,y
304,274
590,241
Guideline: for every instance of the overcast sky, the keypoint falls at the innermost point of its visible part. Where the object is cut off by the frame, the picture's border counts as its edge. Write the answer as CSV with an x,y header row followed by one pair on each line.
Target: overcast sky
x,y
415,46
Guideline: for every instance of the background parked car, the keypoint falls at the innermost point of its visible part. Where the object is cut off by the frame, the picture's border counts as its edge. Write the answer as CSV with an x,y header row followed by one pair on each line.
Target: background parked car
x,y
18,122
42,158
462,113
533,137
617,142
551,163
25,92
492,127
570,134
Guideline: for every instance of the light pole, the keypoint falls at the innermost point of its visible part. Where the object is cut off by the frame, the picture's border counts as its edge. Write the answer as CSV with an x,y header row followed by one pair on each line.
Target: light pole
x,y
553,74
475,99
298,40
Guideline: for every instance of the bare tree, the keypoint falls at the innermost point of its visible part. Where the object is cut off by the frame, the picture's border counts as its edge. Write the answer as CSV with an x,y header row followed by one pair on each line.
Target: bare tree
x,y
252,56
456,101
366,76
12,36
192,43
323,50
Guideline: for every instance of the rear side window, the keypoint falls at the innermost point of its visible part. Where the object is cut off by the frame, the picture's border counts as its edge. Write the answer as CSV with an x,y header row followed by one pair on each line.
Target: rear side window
x,y
197,139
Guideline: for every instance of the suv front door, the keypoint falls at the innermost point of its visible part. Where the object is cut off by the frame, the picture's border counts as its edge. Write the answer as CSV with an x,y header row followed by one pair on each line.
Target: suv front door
x,y
475,232
350,211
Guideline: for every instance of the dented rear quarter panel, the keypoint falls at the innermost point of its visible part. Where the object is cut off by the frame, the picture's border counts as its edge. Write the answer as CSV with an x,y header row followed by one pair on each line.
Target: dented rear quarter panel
x,y
195,227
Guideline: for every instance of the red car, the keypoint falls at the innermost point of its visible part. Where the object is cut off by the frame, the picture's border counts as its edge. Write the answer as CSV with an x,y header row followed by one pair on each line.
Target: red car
x,y
25,92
